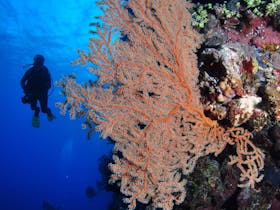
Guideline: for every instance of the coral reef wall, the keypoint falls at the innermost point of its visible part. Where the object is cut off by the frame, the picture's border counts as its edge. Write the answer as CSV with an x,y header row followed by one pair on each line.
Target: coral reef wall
x,y
147,101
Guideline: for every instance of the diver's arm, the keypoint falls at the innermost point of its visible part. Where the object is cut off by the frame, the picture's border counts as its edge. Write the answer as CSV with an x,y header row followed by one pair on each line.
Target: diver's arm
x,y
47,77
24,80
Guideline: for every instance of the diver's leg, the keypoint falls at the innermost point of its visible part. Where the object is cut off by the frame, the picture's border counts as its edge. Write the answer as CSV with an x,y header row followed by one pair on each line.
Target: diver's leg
x,y
35,118
44,106
33,106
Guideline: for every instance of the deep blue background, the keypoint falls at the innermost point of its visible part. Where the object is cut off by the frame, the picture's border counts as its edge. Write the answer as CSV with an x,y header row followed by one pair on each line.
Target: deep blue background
x,y
55,162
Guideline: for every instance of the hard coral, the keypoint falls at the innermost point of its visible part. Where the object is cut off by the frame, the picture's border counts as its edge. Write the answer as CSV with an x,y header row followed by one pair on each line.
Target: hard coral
x,y
234,84
242,109
272,89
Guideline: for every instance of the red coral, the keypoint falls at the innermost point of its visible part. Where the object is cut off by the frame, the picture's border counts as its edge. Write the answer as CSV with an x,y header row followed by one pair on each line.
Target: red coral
x,y
247,66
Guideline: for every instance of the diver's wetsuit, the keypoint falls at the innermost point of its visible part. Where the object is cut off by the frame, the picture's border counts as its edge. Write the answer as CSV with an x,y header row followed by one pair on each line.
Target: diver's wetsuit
x,y
36,82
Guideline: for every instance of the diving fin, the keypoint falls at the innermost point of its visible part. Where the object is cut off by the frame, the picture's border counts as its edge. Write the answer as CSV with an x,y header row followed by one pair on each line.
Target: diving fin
x,y
35,122
51,117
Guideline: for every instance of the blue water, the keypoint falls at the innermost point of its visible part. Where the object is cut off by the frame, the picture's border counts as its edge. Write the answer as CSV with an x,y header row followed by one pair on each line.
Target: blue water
x,y
56,162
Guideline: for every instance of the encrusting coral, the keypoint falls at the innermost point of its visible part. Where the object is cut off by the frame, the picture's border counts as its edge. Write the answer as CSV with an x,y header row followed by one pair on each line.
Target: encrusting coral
x,y
147,101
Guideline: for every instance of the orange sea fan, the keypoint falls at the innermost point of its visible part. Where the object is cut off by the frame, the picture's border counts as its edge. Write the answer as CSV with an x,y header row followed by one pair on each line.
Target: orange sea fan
x,y
148,101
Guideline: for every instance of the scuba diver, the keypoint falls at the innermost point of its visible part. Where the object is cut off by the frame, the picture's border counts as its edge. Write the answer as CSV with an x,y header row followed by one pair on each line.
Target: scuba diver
x,y
36,83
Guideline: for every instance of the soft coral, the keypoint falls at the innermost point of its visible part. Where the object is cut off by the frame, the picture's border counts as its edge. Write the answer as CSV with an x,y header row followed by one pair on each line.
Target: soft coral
x,y
257,32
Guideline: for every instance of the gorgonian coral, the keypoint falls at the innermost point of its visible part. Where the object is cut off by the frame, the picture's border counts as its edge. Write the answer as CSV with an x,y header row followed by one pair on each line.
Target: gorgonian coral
x,y
148,101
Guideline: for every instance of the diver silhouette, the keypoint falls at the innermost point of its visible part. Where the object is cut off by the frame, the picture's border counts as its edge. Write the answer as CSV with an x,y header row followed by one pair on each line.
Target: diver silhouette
x,y
36,83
